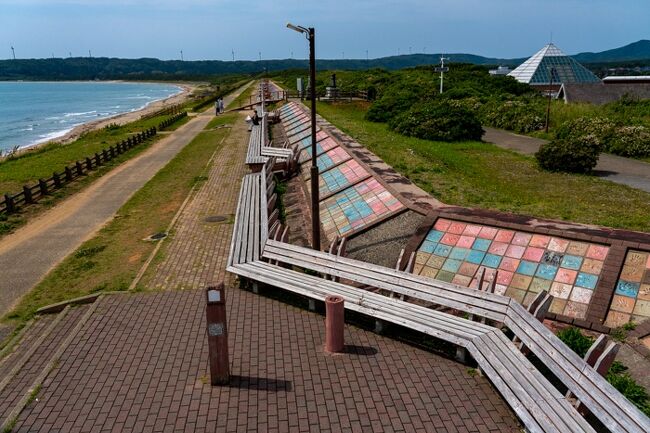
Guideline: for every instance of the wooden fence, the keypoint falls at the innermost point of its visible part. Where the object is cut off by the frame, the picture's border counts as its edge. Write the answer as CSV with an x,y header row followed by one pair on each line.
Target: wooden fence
x,y
11,203
174,109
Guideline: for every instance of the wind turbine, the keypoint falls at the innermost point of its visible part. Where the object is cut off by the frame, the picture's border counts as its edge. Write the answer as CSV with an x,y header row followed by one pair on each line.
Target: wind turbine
x,y
13,52
181,55
233,54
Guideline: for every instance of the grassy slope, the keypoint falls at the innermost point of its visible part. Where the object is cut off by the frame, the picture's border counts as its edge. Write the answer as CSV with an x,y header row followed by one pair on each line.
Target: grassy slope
x,y
113,257
482,175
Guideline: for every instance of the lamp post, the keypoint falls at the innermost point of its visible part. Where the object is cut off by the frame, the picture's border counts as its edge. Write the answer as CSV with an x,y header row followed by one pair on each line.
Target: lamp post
x,y
315,210
550,96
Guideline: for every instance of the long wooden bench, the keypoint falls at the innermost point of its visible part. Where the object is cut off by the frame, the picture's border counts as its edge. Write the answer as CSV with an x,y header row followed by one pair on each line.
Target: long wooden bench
x,y
539,405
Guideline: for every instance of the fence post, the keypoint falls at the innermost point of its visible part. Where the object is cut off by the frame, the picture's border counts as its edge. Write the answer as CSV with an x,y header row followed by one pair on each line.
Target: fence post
x,y
98,160
42,186
27,192
105,155
68,174
57,180
10,206
89,164
80,169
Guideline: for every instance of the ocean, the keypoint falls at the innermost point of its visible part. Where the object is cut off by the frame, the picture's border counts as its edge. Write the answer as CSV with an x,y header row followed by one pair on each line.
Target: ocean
x,y
34,112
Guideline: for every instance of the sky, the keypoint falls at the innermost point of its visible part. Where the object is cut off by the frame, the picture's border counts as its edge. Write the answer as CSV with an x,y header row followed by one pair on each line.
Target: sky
x,y
213,29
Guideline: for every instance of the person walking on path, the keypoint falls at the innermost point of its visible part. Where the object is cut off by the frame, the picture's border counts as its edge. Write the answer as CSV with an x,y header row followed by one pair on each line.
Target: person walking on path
x,y
220,105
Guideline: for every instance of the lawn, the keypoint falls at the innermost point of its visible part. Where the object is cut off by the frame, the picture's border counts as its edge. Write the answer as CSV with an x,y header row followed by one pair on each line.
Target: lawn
x,y
477,174
111,260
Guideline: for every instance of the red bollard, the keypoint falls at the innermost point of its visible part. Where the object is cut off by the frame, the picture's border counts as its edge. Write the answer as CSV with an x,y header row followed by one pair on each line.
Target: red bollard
x,y
334,324
215,313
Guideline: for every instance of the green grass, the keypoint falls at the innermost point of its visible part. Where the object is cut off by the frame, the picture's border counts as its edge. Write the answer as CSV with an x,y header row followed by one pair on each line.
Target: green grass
x,y
477,174
243,97
111,260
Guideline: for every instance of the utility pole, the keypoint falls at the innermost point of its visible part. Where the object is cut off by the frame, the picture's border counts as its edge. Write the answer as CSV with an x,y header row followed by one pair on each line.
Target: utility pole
x,y
13,52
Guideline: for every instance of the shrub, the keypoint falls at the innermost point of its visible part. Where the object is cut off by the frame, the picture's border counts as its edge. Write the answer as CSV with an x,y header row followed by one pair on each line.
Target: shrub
x,y
569,155
521,116
576,341
439,121
600,129
390,105
625,384
633,141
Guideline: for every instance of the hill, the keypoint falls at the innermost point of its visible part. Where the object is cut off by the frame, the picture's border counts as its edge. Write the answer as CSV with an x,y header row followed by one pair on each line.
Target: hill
x,y
103,68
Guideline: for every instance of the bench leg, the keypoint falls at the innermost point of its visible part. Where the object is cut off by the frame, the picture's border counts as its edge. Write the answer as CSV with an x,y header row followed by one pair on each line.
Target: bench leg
x,y
256,288
461,355
380,326
312,305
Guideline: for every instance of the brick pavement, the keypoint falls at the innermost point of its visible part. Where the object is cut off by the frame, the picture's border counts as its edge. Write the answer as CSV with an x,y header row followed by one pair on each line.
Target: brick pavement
x,y
198,250
140,364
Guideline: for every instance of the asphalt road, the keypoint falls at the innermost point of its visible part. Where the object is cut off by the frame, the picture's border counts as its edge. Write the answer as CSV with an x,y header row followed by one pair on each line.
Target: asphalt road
x,y
626,171
27,255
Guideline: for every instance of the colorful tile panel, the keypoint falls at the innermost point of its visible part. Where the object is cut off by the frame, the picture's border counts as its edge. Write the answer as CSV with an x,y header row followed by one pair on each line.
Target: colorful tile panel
x,y
631,300
328,160
321,147
356,207
306,141
527,263
339,177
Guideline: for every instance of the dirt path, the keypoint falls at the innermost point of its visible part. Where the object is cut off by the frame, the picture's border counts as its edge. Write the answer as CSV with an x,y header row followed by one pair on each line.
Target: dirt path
x,y
27,255
614,168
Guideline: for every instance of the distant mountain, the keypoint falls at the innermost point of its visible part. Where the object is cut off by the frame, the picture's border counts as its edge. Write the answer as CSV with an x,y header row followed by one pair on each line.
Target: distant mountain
x,y
102,68
639,50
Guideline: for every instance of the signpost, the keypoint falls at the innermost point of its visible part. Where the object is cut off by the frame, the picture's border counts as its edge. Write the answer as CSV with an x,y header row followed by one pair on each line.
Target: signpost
x,y
215,312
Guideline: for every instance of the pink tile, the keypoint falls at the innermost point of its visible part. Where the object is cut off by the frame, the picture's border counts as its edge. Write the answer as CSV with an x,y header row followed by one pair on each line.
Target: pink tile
x,y
539,241
597,252
504,277
579,294
472,230
504,236
515,251
534,254
558,245
509,264
488,233
566,276
466,241
442,224
449,239
521,239
456,228
498,248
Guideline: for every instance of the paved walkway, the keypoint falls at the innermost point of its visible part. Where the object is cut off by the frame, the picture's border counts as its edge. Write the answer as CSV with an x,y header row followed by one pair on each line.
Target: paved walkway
x,y
617,169
197,252
28,255
140,365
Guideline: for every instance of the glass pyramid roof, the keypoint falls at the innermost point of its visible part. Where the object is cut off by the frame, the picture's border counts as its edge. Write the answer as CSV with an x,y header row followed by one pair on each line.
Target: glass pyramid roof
x,y
551,60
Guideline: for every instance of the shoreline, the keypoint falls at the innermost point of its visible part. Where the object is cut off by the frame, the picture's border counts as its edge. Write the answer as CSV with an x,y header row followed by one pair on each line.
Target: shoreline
x,y
76,132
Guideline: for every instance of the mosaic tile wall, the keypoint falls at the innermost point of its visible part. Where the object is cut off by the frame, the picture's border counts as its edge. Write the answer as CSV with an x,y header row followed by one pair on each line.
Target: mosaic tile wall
x,y
526,263
356,207
342,176
632,296
358,200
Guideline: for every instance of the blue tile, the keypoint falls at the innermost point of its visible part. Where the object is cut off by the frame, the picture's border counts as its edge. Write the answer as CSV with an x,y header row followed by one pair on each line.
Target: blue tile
x,y
627,288
459,253
451,265
481,244
435,235
492,260
442,250
527,268
546,271
475,257
428,247
572,262
588,281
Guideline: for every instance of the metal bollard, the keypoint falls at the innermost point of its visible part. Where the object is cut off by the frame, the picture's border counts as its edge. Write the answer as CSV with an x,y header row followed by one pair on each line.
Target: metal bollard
x,y
215,312
334,324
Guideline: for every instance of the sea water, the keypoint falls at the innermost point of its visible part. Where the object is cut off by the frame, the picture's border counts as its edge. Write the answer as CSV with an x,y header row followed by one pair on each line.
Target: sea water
x,y
34,112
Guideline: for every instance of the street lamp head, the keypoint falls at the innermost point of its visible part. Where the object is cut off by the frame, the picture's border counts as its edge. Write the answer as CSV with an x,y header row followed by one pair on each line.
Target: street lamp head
x,y
298,29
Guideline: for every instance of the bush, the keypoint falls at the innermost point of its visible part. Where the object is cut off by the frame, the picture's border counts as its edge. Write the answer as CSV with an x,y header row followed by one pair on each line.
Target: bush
x,y
632,141
600,129
522,116
438,121
576,341
569,155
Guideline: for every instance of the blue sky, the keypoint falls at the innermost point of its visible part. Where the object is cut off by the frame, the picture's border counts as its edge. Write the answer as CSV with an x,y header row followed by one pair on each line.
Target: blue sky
x,y
210,29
